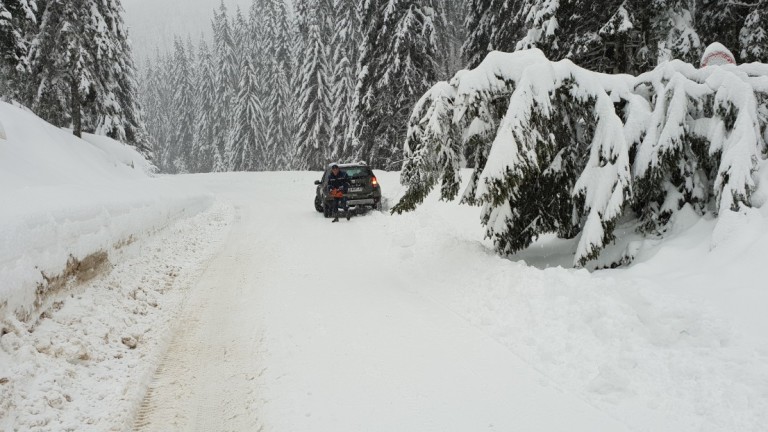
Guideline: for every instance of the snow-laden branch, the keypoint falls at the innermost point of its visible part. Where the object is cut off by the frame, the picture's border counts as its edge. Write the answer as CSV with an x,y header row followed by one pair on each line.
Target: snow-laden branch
x,y
558,148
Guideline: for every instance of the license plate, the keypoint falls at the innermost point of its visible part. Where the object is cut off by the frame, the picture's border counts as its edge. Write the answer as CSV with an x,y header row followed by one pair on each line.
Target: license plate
x,y
356,189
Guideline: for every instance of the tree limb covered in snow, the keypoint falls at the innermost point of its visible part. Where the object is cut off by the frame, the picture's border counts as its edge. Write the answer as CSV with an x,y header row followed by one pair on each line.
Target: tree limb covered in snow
x,y
560,149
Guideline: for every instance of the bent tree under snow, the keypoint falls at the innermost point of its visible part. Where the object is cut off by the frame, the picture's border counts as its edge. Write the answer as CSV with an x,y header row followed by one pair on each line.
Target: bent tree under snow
x,y
560,149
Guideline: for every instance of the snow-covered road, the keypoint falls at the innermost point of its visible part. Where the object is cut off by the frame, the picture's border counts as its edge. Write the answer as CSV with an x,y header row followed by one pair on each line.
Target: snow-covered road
x,y
301,325
255,313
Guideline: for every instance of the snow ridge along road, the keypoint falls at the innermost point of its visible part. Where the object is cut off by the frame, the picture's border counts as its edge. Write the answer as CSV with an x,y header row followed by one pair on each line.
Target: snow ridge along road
x,y
301,325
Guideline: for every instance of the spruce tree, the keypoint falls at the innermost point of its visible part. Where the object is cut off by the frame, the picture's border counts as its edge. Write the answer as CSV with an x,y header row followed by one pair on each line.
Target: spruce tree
x,y
492,25
246,146
204,149
151,102
17,21
177,157
74,88
397,65
226,86
314,100
64,63
753,36
122,121
279,77
345,51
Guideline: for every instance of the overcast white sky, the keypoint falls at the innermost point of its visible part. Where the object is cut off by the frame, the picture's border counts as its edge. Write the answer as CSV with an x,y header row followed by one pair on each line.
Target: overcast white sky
x,y
154,22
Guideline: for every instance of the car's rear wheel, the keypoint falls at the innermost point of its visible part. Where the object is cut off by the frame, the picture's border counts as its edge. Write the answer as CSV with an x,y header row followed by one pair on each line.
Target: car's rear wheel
x,y
319,204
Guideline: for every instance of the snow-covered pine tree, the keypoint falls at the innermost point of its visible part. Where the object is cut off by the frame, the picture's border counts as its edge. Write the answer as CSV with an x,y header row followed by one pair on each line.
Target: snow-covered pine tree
x,y
346,38
177,158
397,65
719,21
452,34
753,36
703,141
432,149
741,26
491,25
203,148
17,21
226,86
245,46
64,63
542,26
120,115
246,141
675,32
695,137
259,35
280,75
314,99
67,57
560,139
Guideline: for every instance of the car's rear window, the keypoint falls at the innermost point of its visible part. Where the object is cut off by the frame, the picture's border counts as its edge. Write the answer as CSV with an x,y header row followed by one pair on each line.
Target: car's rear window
x,y
357,171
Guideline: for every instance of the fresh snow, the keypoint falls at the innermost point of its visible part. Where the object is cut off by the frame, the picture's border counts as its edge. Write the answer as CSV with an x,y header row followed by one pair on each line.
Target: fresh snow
x,y
228,303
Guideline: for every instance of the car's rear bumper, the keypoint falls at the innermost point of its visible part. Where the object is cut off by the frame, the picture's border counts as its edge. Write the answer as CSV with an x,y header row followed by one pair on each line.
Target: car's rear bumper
x,y
355,201
367,201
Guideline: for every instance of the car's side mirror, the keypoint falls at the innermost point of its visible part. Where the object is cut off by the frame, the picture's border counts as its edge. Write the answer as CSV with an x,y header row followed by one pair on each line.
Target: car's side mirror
x,y
317,182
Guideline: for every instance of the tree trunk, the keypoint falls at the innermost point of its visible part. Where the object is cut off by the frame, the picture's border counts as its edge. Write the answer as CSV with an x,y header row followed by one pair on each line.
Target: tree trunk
x,y
76,108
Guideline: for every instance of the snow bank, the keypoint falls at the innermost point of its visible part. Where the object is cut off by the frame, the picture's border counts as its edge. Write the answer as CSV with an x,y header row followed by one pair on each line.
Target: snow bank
x,y
64,199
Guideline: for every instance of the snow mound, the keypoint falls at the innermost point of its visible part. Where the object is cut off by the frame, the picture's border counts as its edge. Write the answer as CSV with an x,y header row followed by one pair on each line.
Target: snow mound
x,y
68,201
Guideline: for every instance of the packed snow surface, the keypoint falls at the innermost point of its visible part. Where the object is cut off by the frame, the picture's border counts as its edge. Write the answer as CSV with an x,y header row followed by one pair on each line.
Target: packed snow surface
x,y
259,314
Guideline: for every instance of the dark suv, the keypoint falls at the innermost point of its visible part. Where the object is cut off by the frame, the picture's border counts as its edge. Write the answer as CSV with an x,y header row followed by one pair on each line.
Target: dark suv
x,y
364,190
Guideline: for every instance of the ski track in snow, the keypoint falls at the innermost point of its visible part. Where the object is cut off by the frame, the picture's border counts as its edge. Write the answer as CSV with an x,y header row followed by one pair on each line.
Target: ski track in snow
x,y
382,323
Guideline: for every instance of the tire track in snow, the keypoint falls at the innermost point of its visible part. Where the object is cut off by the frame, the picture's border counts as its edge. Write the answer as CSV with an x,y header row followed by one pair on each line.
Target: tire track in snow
x,y
206,381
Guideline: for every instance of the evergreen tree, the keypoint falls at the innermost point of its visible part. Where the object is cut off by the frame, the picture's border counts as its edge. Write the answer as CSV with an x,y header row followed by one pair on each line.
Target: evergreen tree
x,y
17,20
121,120
246,146
491,25
753,36
204,149
452,34
150,92
719,21
76,39
397,65
65,64
177,156
314,99
345,50
226,86
280,75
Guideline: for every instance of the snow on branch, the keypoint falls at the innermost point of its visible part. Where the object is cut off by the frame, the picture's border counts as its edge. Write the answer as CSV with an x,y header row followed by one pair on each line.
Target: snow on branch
x,y
560,149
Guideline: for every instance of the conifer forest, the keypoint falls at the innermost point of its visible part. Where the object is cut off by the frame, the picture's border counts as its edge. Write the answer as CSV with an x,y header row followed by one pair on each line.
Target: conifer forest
x,y
297,85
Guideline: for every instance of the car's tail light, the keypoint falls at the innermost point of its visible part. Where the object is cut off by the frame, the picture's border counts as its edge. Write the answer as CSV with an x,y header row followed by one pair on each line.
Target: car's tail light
x,y
374,182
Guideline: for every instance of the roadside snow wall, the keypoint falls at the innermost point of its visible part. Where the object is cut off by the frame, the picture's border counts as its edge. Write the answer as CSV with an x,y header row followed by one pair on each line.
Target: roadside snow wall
x,y
67,203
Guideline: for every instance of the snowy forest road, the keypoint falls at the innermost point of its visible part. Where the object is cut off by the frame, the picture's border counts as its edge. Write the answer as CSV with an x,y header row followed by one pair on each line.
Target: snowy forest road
x,y
303,325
